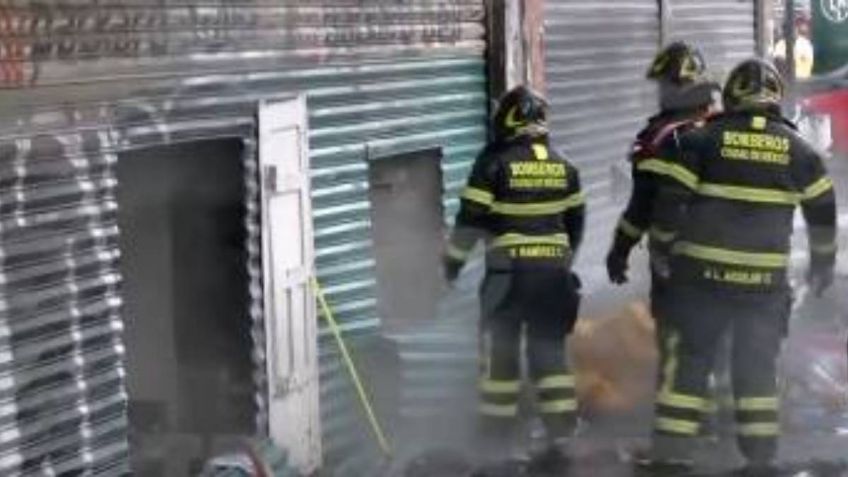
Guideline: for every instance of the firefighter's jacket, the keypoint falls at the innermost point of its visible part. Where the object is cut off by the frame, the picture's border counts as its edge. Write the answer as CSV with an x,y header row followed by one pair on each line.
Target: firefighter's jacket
x,y
730,197
525,202
635,221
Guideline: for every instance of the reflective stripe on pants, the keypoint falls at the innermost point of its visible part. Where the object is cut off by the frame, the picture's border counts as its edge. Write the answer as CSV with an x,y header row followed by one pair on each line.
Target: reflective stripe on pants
x,y
700,319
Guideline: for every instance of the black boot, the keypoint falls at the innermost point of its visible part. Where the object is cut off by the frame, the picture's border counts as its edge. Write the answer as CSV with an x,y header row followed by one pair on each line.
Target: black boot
x,y
554,459
668,456
758,469
495,440
561,431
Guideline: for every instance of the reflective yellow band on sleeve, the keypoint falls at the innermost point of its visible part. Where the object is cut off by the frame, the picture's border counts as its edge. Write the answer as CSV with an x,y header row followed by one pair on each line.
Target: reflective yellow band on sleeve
x,y
457,253
498,410
490,386
710,407
538,208
629,229
677,426
562,381
762,429
559,406
748,194
824,249
732,257
575,200
817,188
661,235
541,152
758,404
681,401
513,240
675,171
479,196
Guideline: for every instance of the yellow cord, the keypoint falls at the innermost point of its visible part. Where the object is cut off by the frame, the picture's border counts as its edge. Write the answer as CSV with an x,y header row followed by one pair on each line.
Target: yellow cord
x,y
351,367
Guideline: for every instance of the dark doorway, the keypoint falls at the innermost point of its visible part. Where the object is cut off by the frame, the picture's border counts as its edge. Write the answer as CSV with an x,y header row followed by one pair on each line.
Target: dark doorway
x,y
186,302
408,233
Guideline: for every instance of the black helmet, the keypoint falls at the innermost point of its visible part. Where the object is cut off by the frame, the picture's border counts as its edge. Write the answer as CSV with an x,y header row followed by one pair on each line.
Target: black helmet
x,y
679,64
753,83
520,112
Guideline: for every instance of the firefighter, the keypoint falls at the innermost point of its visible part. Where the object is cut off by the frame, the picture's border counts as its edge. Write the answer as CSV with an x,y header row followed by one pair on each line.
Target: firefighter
x,y
686,98
729,200
524,202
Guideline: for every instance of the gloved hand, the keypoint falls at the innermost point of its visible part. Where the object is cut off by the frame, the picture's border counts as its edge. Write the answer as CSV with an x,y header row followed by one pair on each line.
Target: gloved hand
x,y
576,282
820,277
617,267
451,268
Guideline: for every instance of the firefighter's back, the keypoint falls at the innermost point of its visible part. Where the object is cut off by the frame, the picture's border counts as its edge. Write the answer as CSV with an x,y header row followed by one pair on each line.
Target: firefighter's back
x,y
534,191
751,177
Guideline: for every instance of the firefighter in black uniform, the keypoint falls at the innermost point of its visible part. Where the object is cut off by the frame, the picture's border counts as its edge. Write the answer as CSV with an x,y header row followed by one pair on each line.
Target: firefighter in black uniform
x,y
525,203
729,200
686,98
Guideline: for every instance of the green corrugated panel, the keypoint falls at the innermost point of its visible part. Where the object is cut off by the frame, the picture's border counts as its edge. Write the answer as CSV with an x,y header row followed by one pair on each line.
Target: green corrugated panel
x,y
423,105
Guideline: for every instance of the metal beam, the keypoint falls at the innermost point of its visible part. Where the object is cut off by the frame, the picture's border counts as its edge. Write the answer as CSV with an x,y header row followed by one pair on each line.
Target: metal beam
x,y
664,12
534,44
505,47
789,35
764,26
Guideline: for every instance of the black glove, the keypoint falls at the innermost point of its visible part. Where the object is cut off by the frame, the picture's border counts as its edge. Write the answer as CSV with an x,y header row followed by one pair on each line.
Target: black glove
x,y
820,277
617,267
576,282
451,267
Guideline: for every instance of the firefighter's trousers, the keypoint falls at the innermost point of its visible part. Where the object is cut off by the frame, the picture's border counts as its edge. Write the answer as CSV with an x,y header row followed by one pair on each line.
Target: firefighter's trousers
x,y
542,307
699,318
663,331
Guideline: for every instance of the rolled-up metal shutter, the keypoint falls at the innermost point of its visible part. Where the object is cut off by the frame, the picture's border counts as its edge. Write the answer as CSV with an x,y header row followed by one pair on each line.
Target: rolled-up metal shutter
x,y
724,30
596,57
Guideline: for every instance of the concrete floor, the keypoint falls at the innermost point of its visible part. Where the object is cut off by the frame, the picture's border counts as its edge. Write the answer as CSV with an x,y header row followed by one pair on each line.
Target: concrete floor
x,y
809,457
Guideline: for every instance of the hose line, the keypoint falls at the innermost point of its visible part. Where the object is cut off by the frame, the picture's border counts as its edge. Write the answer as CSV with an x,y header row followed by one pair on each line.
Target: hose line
x,y
327,313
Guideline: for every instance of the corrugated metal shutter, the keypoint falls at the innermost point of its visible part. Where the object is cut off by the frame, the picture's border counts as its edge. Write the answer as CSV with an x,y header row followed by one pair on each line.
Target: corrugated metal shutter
x,y
596,57
724,30
382,77
379,111
393,108
62,373
439,369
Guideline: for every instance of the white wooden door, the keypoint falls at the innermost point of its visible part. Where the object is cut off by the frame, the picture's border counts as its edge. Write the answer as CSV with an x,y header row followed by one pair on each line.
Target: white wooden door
x,y
288,256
